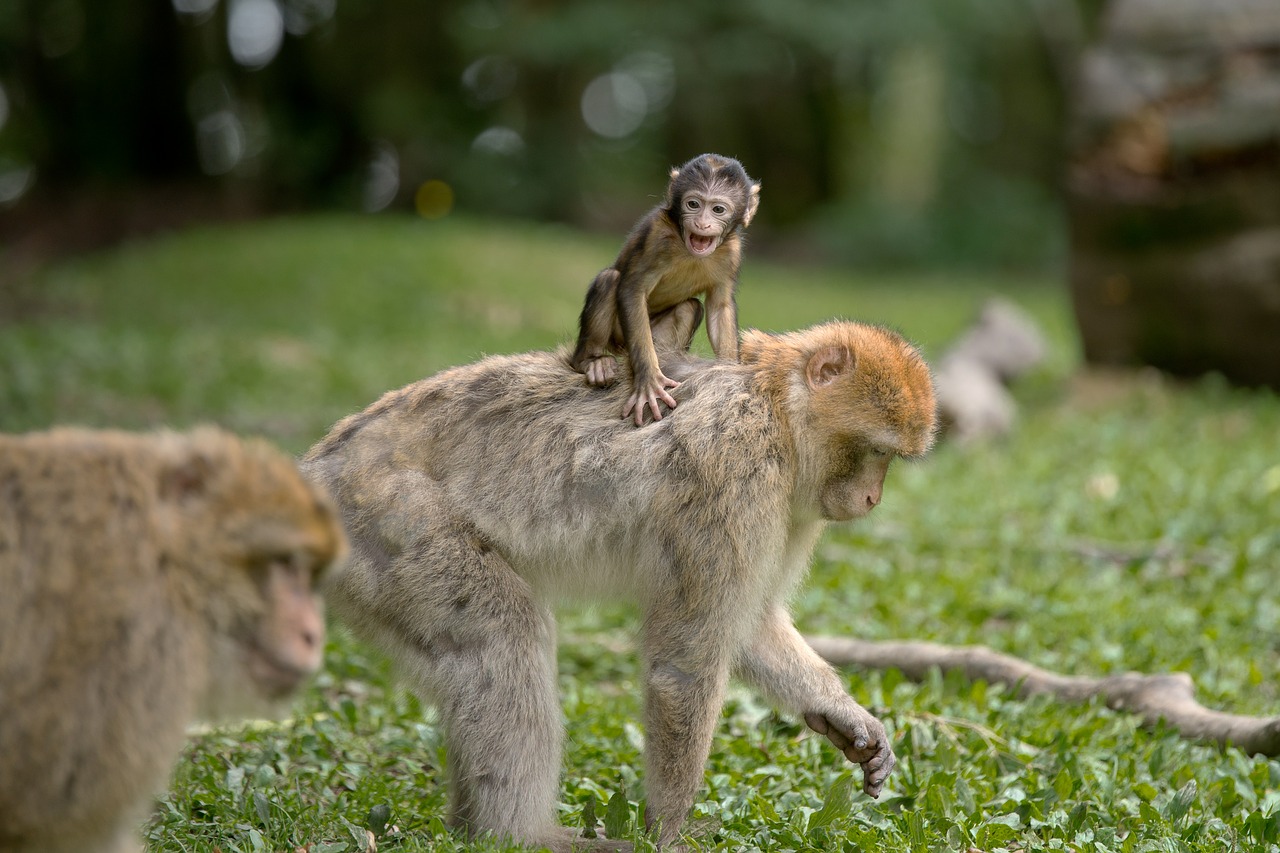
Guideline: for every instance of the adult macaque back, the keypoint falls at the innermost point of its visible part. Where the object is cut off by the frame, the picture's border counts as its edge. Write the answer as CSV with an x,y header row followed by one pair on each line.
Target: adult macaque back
x,y
478,498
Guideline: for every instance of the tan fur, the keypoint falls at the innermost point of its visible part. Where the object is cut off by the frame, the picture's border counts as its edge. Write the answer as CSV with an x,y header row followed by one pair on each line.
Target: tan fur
x,y
480,497
680,275
139,585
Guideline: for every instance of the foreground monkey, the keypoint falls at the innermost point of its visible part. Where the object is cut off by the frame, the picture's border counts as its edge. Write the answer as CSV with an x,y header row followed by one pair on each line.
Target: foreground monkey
x,y
477,498
689,245
144,579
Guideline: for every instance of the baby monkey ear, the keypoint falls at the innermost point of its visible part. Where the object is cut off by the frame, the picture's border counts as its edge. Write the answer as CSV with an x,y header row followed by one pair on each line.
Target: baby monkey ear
x,y
671,188
753,203
827,364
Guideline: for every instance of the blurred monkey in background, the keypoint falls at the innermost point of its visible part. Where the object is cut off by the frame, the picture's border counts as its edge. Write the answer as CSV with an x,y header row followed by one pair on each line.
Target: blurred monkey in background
x,y
146,579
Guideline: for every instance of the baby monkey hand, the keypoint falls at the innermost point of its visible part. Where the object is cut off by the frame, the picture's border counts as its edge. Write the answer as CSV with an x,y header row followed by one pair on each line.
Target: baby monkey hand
x,y
648,393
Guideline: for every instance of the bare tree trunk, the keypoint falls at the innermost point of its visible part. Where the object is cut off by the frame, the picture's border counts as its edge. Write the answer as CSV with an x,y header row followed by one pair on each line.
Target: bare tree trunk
x,y
1174,188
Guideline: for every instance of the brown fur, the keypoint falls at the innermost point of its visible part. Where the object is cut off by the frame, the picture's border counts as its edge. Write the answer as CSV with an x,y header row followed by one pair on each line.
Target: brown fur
x,y
145,579
478,498
657,271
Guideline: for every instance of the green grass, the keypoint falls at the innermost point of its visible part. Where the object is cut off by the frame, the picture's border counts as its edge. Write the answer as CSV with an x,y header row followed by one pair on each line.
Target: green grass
x,y
1129,523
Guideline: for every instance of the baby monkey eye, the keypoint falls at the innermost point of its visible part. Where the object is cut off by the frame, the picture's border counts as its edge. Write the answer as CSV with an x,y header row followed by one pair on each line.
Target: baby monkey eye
x,y
719,210
692,203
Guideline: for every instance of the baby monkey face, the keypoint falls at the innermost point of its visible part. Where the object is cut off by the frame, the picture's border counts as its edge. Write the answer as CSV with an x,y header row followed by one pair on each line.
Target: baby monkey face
x,y
707,218
709,198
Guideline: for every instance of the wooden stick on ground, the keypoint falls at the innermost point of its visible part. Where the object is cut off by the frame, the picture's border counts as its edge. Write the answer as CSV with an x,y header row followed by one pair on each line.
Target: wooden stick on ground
x,y
1153,698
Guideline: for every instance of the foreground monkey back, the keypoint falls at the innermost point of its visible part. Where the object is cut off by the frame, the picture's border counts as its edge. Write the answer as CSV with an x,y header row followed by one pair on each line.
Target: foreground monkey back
x,y
478,498
148,579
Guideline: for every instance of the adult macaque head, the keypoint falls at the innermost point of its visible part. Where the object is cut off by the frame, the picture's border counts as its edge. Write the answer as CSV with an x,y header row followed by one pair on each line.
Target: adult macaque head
x,y
870,401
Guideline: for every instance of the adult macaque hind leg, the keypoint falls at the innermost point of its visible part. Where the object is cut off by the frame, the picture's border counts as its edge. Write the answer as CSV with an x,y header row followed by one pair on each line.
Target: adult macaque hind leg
x,y
471,638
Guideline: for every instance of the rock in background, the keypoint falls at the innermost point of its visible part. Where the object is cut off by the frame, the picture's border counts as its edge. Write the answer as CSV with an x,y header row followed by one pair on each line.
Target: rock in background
x,y
973,375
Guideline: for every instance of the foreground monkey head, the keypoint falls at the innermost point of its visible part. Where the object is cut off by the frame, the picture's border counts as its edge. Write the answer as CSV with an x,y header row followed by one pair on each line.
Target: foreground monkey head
x,y
709,198
147,580
257,541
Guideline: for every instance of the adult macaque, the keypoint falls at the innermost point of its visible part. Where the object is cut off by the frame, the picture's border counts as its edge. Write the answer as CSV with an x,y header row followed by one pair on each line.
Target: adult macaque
x,y
477,498
689,245
146,579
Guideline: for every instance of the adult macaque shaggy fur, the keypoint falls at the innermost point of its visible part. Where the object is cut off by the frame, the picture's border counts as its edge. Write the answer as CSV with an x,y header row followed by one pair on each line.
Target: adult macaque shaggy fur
x,y
145,579
478,498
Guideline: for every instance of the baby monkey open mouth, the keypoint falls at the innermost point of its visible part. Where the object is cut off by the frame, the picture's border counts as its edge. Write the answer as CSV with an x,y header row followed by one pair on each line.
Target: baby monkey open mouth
x,y
701,244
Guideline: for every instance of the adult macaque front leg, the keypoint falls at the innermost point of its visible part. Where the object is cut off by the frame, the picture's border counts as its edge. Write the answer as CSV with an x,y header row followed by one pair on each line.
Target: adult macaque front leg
x,y
782,666
687,662
862,739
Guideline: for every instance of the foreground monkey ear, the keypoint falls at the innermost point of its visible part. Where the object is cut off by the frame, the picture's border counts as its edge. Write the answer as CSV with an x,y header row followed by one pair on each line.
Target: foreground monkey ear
x,y
753,203
828,363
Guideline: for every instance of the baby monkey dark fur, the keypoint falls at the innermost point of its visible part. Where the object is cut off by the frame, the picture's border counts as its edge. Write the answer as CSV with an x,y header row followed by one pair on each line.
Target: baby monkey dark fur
x,y
687,246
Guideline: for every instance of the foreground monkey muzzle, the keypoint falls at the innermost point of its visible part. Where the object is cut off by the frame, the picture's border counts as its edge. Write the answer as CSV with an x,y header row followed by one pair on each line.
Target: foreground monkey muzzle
x,y
274,679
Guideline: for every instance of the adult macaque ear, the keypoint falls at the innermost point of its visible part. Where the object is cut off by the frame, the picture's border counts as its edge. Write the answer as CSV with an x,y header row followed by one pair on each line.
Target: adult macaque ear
x,y
753,204
827,364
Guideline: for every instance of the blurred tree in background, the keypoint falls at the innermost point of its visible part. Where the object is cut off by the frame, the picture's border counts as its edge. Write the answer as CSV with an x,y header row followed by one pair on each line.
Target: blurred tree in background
x,y
1174,188
927,131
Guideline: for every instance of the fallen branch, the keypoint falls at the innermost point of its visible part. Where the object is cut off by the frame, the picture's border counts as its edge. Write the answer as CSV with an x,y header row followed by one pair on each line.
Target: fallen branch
x,y
1153,698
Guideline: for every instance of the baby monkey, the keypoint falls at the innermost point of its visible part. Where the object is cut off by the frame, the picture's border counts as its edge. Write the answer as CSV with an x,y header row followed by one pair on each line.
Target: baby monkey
x,y
689,245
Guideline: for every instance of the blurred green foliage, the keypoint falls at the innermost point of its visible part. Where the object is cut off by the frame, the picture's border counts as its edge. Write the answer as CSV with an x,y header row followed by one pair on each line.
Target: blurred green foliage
x,y
882,132
284,326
